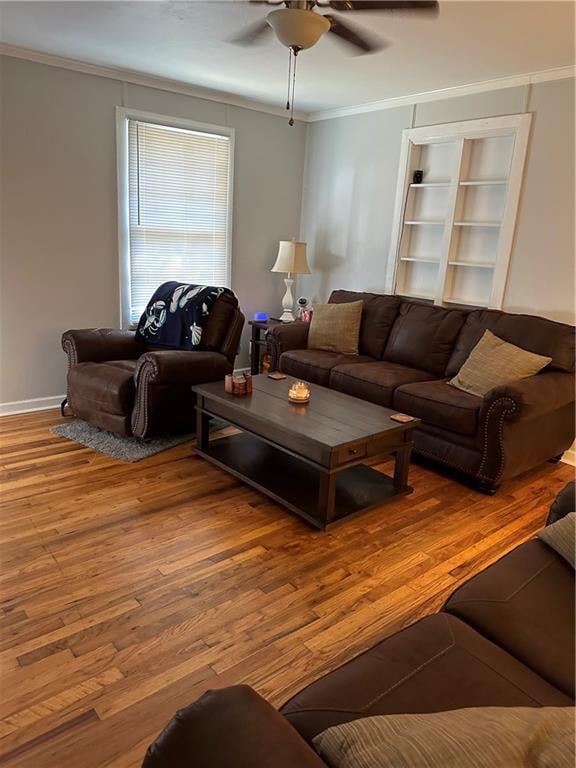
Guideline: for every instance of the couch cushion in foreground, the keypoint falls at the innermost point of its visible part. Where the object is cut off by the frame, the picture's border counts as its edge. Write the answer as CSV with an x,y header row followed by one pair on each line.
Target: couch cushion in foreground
x,y
437,664
489,737
525,604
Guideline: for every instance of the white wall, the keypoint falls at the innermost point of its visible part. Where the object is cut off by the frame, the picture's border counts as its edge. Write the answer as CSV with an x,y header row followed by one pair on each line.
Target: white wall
x,y
350,183
59,258
59,254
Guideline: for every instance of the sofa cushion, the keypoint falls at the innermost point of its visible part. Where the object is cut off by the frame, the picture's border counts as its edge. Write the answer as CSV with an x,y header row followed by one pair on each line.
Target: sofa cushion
x,y
378,315
124,365
374,381
437,664
525,604
475,737
314,365
436,402
423,336
107,386
536,334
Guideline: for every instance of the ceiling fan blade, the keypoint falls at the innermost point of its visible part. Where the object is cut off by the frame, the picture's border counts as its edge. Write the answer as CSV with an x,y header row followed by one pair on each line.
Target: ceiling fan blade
x,y
418,6
359,41
251,34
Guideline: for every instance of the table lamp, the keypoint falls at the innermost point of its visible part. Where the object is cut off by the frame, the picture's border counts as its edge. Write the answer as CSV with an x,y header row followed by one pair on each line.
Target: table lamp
x,y
291,260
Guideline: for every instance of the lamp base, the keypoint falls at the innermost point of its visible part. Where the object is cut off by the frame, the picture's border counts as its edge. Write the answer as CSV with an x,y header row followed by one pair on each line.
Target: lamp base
x,y
288,302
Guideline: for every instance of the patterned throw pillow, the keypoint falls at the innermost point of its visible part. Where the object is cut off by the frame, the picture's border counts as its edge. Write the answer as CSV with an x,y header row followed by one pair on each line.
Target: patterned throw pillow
x,y
494,362
336,327
561,536
479,737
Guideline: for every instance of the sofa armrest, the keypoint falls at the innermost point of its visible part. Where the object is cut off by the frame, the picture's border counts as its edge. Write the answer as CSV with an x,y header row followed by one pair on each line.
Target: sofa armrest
x,y
563,504
283,337
230,728
231,341
93,345
174,366
524,422
533,396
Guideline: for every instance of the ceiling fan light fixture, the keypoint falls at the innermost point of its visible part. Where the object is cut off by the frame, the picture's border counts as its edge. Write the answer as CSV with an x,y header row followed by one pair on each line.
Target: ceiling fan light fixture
x,y
297,28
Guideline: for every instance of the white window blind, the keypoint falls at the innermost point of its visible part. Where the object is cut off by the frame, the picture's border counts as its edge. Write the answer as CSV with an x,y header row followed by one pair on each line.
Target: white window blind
x,y
178,197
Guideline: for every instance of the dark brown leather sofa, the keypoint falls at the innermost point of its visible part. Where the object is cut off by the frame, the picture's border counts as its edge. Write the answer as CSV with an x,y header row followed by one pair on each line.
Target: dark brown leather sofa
x,y
505,638
118,383
407,353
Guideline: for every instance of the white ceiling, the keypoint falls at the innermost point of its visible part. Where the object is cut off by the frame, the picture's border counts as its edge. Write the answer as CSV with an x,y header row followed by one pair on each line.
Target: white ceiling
x,y
469,42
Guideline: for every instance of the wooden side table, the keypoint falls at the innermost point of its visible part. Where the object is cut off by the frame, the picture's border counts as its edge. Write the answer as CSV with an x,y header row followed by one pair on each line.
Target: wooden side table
x,y
258,342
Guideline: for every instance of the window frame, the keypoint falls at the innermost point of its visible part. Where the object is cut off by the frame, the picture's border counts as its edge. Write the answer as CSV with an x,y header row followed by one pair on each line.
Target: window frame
x,y
123,115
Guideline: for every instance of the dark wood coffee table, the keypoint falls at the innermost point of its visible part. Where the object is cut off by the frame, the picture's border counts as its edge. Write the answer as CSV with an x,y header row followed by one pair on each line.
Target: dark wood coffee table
x,y
306,457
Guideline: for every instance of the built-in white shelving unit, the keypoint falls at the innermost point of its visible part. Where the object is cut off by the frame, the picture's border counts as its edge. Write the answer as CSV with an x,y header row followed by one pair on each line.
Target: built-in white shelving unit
x,y
453,233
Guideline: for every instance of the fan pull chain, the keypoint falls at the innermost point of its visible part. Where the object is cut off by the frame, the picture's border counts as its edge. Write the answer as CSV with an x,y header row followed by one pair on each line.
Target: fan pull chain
x,y
289,76
291,121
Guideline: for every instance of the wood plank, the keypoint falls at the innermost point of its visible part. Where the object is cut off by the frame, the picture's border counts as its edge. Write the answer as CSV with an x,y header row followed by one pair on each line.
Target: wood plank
x,y
129,589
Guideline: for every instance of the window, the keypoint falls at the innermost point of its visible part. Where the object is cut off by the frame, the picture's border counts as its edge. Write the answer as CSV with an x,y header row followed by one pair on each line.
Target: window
x,y
174,204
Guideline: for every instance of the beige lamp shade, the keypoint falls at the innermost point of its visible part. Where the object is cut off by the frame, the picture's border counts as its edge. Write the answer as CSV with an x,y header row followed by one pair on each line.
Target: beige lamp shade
x,y
291,258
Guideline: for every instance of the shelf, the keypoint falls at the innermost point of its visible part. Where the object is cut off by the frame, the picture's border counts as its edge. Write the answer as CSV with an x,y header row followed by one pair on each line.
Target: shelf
x,y
476,223
465,302
421,222
420,260
486,183
426,296
431,184
477,264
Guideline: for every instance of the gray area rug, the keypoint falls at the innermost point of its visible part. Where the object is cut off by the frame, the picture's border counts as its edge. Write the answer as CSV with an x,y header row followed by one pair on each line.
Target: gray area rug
x,y
123,448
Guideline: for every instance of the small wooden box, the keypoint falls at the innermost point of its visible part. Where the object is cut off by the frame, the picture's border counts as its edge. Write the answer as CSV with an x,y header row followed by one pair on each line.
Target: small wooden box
x,y
238,385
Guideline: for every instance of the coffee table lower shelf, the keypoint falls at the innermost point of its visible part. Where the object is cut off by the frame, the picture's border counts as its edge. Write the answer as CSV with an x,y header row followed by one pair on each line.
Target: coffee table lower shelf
x,y
296,483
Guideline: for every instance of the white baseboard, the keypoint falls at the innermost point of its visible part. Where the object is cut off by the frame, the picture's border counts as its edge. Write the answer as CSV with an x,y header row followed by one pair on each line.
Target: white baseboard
x,y
569,457
27,406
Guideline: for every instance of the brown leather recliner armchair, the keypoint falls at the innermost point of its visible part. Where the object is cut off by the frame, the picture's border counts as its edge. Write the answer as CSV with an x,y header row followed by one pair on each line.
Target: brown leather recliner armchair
x,y
119,383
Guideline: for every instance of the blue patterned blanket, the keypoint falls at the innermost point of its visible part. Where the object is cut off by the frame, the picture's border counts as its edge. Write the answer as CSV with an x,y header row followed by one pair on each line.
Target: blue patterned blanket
x,y
177,314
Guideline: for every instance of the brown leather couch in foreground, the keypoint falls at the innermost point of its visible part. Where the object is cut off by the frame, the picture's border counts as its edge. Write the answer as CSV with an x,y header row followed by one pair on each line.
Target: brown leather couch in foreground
x,y
407,352
505,639
117,382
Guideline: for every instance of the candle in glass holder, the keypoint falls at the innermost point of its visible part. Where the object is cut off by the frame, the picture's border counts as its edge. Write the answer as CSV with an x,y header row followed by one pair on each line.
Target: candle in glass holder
x,y
299,392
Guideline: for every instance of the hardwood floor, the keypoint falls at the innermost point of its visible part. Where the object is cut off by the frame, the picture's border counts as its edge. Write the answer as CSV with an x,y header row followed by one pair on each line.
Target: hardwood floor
x,y
130,589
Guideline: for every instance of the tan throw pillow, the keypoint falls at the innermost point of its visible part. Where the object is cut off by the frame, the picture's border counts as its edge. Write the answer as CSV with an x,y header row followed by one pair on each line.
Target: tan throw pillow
x,y
493,362
561,536
336,327
479,737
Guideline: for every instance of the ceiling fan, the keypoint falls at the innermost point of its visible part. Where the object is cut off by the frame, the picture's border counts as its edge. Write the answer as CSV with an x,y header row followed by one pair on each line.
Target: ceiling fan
x,y
299,26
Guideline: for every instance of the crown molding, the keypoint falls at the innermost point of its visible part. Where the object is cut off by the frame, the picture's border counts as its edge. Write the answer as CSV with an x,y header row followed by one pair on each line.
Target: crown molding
x,y
496,84
141,78
198,92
